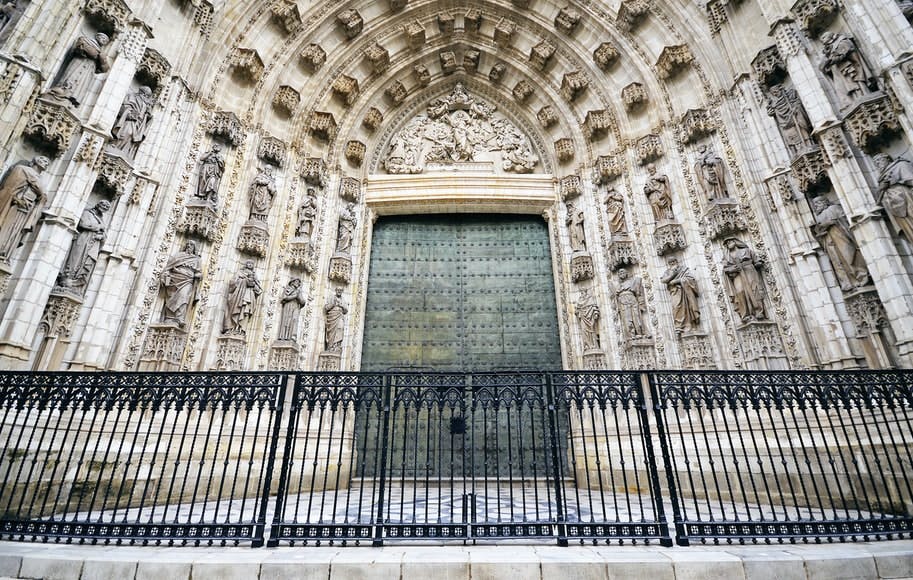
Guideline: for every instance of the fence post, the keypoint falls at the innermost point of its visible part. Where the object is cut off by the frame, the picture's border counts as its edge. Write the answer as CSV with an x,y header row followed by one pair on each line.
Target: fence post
x,y
385,440
286,461
551,400
645,397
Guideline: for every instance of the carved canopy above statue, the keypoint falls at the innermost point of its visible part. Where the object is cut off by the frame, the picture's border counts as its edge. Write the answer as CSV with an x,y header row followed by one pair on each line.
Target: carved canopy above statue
x,y
459,131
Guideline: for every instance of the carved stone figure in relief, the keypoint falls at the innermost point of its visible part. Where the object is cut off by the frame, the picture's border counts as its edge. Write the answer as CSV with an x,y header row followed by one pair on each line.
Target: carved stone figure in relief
x,y
7,11
335,313
293,300
576,227
895,191
21,199
132,124
307,213
345,231
711,174
587,312
833,232
632,306
262,192
91,233
212,167
746,288
243,291
179,280
784,106
844,64
659,195
682,286
87,58
615,210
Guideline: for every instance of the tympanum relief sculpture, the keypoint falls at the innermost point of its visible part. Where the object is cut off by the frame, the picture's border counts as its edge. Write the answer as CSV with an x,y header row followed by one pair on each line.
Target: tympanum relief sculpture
x,y
843,63
180,280
243,292
895,191
833,232
132,124
742,267
86,60
21,199
682,286
460,129
91,233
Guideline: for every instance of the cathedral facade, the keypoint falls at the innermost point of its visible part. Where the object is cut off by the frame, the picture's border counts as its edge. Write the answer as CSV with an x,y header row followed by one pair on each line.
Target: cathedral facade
x,y
197,184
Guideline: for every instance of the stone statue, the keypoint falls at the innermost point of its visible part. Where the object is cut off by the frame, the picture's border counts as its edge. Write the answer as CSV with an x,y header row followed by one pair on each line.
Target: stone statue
x,y
335,312
132,124
895,191
576,227
746,288
711,174
784,106
212,167
587,312
835,237
262,191
180,279
345,232
87,59
682,286
21,199
659,195
292,301
632,305
615,209
239,303
91,233
844,64
307,213
7,12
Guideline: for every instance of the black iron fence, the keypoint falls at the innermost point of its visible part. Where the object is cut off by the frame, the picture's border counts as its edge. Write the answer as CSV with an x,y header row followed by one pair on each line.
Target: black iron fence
x,y
380,457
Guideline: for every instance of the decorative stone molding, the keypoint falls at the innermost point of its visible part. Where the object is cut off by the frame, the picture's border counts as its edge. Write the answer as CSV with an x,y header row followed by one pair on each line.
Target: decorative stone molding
x,y
541,54
51,126
547,116
329,362
254,239
567,20
631,13
724,218
472,21
378,56
397,5
497,72
396,93
605,55
815,15
323,125
835,144
570,187
448,62
581,267
314,171
372,119
202,16
345,90
471,60
286,16
608,168
226,126
564,150
669,237
415,32
621,253
697,124
108,16
504,32
873,123
445,23
762,347
422,75
594,360
522,91
60,314
340,269
810,171
300,256
697,352
649,148
769,67
200,220
273,151
247,65
283,356
350,189
355,152
634,96
640,357
574,84
163,348
673,60
350,22
153,70
716,15
230,353
867,312
597,124
313,57
286,101
113,173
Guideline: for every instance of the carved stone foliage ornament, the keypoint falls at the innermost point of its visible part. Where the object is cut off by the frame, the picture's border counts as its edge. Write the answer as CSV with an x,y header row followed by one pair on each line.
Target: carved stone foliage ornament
x,y
91,233
286,101
564,150
240,300
547,117
52,126
673,60
313,57
724,218
895,192
22,198
833,232
631,13
350,189
180,280
396,93
247,65
634,96
286,15
272,150
567,20
415,32
608,168
605,55
597,123
682,286
742,267
460,128
649,148
314,171
323,126
345,89
372,119
570,187
350,22
696,124
87,59
226,126
113,173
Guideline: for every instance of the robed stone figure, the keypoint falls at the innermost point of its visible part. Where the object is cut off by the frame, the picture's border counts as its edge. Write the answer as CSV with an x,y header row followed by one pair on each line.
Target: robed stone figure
x,y
682,286
307,213
742,267
262,192
345,231
179,280
132,124
87,58
91,233
784,106
844,64
243,291
335,313
588,314
292,301
835,237
615,211
212,167
7,12
576,227
711,174
632,305
21,200
659,195
895,191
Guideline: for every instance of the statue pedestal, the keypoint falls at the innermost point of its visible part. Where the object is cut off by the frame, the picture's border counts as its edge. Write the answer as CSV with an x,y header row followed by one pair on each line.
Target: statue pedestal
x,y
871,322
594,360
200,220
283,356
697,352
5,275
329,362
581,267
300,255
640,354
762,346
621,253
669,237
231,353
163,348
254,239
341,269
723,218
872,122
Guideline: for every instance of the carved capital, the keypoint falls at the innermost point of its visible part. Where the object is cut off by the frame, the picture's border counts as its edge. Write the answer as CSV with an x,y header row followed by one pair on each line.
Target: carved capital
x,y
300,256
247,65
200,220
673,60
815,15
697,352
51,126
323,125
313,57
350,22
649,148
254,239
873,123
340,269
570,187
621,253
472,21
226,126
273,151
231,353
634,96
445,23
448,62
163,348
286,101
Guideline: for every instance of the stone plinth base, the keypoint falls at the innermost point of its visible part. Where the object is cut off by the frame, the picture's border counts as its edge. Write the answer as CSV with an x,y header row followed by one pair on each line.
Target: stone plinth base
x,y
300,255
61,312
669,237
723,218
810,170
163,348
872,122
254,239
762,346
594,360
871,322
697,352
232,353
200,220
329,362
621,253
581,267
5,276
341,269
640,355
283,356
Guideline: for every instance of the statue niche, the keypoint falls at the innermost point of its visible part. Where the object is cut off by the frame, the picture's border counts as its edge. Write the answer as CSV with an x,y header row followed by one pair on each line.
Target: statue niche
x,y
459,130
